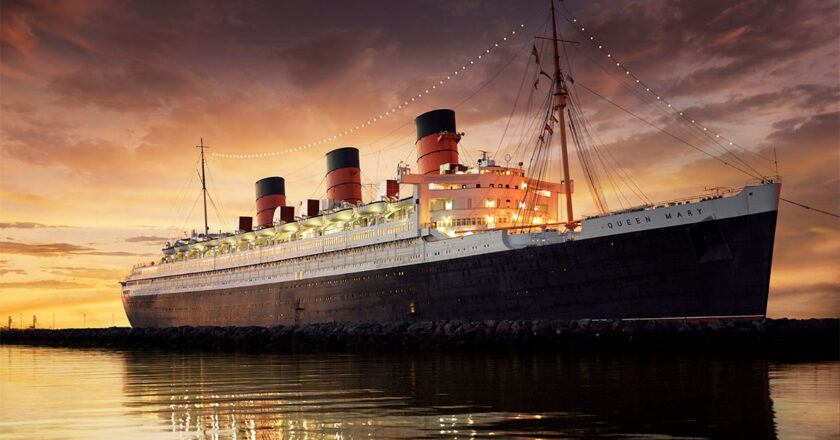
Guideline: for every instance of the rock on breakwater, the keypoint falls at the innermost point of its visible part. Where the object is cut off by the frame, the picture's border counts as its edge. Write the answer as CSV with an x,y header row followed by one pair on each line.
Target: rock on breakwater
x,y
581,335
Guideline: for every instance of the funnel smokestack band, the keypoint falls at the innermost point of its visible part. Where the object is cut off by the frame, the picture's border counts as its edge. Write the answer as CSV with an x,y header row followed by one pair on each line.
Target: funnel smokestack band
x,y
342,158
434,122
434,149
271,185
271,193
343,176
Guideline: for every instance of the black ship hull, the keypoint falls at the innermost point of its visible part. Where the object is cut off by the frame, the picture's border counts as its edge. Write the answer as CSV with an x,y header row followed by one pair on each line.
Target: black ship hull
x,y
711,269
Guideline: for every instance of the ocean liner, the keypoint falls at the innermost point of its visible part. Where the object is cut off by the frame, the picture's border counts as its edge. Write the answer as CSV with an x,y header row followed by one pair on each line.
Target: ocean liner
x,y
470,241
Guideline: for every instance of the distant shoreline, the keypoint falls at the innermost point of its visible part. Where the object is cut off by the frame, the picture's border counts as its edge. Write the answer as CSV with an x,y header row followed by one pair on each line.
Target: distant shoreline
x,y
781,336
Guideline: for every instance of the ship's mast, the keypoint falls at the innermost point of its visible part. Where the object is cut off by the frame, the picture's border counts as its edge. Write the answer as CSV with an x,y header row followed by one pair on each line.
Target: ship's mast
x,y
560,95
204,185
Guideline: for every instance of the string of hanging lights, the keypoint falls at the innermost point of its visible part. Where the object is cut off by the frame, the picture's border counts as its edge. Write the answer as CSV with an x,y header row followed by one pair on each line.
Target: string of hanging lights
x,y
716,136
388,112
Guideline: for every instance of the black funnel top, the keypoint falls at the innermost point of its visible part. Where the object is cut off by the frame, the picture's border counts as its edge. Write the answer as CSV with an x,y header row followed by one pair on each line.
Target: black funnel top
x,y
342,158
435,121
270,185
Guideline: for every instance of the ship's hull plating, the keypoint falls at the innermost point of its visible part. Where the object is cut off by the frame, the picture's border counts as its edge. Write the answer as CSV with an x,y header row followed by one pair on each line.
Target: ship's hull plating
x,y
715,268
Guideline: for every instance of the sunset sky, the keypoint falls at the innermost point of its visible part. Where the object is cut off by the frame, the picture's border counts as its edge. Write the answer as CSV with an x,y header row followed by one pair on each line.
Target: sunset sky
x,y
103,102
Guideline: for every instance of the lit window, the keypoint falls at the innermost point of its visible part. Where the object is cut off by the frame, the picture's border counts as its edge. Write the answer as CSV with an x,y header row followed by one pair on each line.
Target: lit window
x,y
489,203
448,205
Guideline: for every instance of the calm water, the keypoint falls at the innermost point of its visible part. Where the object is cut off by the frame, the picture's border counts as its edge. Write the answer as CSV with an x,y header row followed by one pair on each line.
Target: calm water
x,y
52,393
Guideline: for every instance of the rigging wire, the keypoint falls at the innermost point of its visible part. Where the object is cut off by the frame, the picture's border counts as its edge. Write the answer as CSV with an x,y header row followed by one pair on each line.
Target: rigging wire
x,y
495,75
486,192
318,187
574,22
527,122
512,111
810,208
702,130
175,208
615,165
584,146
223,214
717,158
184,223
576,107
218,214
518,95
689,128
539,164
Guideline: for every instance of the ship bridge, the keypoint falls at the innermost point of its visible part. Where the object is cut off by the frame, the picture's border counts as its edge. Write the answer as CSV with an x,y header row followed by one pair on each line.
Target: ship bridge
x,y
462,200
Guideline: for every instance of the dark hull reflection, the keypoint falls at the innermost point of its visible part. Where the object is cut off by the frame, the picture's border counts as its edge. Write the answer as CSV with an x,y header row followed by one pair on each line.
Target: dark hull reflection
x,y
443,395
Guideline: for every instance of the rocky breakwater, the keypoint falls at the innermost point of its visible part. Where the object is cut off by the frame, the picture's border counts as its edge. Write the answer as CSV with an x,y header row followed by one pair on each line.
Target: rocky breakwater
x,y
772,335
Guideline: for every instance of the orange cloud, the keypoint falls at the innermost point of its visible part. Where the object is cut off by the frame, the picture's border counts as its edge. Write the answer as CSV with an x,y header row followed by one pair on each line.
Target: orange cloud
x,y
16,32
41,250
57,249
45,284
146,239
729,37
12,271
89,272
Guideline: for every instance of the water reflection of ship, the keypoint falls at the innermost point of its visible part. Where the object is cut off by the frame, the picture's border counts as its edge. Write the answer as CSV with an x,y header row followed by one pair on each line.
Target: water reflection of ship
x,y
341,396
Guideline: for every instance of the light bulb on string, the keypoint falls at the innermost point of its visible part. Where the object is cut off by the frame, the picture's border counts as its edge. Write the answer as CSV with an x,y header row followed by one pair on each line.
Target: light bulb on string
x,y
647,89
375,119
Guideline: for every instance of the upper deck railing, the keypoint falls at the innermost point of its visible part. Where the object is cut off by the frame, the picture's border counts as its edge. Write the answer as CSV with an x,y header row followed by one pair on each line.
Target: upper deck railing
x,y
401,228
711,193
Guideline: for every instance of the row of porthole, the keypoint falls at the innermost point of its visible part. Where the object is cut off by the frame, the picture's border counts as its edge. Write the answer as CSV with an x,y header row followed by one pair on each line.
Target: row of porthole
x,y
405,243
274,264
353,295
